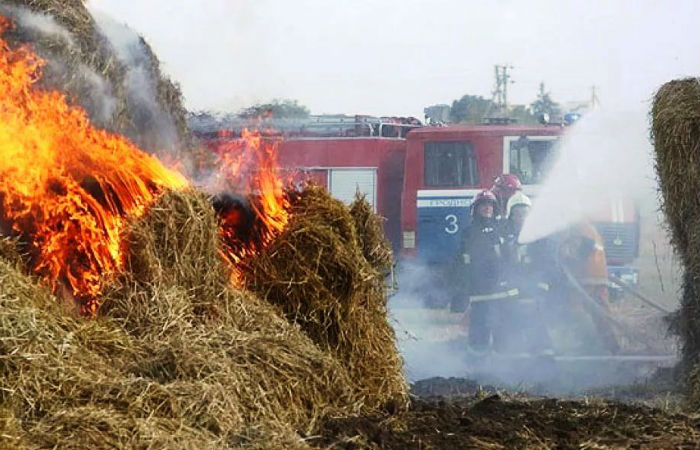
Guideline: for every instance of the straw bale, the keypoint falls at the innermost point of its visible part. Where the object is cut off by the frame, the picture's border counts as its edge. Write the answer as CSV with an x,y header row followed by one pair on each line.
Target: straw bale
x,y
84,65
676,134
104,427
10,250
370,231
176,300
169,362
316,274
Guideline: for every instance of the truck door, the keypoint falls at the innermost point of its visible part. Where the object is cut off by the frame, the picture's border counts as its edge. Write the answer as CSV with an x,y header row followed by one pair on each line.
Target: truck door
x,y
443,206
442,218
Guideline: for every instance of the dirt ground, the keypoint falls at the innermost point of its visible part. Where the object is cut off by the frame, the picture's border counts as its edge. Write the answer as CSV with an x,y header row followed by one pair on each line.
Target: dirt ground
x,y
643,412
480,418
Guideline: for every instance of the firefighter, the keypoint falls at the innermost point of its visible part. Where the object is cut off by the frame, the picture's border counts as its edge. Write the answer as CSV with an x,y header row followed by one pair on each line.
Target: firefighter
x,y
526,269
481,255
504,186
582,257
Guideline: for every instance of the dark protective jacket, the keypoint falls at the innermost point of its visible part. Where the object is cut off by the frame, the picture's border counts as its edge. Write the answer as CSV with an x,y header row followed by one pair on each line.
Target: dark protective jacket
x,y
530,267
481,254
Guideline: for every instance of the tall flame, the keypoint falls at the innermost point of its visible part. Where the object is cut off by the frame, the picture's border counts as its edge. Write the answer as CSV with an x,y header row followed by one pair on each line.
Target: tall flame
x,y
68,189
65,186
249,165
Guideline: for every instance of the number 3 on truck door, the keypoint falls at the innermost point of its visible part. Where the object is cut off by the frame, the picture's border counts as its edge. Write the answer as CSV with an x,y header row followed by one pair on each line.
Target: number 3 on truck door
x,y
452,225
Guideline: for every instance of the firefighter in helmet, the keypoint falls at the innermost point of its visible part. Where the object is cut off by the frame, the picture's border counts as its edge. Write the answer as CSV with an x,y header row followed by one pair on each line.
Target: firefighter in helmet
x,y
504,186
517,208
481,255
526,268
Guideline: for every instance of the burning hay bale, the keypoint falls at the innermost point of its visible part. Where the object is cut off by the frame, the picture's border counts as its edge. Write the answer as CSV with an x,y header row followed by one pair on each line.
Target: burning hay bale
x,y
315,272
117,81
257,371
176,358
676,133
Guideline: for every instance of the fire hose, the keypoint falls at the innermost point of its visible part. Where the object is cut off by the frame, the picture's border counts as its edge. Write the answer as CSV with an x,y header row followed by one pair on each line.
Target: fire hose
x,y
627,288
592,306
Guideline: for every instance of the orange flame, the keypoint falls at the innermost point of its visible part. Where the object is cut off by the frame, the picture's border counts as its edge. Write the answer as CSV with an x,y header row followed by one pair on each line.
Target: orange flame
x,y
68,189
66,186
249,166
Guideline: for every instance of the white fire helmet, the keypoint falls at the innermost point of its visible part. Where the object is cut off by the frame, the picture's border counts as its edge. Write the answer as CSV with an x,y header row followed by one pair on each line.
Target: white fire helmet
x,y
517,199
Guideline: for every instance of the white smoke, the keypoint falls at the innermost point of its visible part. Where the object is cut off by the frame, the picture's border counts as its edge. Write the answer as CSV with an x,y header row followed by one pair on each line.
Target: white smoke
x,y
100,92
606,155
38,22
99,99
139,82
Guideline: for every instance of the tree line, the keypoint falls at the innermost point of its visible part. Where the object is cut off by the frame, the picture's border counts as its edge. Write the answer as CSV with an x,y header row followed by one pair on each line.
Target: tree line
x,y
474,108
467,109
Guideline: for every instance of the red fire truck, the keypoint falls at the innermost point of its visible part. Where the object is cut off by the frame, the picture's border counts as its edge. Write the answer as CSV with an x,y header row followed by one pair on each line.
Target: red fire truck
x,y
422,179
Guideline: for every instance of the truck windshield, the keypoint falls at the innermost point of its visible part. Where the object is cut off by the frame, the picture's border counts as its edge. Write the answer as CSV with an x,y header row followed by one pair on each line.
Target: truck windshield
x,y
531,159
449,164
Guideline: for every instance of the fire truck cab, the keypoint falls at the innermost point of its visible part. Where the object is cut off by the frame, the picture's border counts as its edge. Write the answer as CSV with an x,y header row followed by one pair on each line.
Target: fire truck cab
x,y
446,167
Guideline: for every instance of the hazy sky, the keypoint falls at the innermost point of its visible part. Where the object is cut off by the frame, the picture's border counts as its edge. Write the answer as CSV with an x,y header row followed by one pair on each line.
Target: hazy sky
x,y
393,57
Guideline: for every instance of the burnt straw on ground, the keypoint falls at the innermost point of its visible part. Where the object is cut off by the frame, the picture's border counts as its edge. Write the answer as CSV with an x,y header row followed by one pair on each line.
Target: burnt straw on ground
x,y
498,423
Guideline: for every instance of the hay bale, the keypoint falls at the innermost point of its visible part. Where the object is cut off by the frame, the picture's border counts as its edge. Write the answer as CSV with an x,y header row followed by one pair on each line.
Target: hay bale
x,y
86,66
175,359
676,134
66,381
370,231
52,360
693,386
316,274
264,373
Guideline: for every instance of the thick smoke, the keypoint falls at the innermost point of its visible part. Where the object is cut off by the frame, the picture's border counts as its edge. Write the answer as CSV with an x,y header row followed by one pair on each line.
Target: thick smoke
x,y
100,92
139,82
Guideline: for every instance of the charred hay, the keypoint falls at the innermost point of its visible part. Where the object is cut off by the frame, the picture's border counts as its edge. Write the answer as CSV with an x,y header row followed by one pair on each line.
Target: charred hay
x,y
83,64
315,272
676,134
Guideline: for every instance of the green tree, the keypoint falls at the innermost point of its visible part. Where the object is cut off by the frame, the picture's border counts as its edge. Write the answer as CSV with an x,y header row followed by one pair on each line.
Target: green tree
x,y
523,115
544,104
470,109
278,108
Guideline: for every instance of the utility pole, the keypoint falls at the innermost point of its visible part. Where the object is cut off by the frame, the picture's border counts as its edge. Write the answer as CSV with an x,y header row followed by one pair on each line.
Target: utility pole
x,y
500,92
594,98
